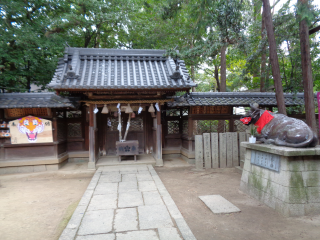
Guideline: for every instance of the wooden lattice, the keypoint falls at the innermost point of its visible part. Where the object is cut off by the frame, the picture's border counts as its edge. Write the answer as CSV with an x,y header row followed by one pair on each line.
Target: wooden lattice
x,y
136,124
185,127
113,123
210,110
74,130
20,112
62,131
185,112
239,126
59,114
74,114
208,126
173,127
173,112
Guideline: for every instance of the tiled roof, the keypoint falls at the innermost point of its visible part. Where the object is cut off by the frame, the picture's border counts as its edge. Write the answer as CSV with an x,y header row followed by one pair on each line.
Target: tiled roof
x,y
96,68
236,99
34,100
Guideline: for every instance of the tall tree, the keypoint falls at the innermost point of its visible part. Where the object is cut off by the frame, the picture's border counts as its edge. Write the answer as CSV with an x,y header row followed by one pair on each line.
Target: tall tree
x,y
274,58
28,53
303,7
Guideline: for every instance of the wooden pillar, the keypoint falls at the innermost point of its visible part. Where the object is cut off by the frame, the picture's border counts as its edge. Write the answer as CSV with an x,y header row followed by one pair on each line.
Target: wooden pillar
x,y
55,132
159,160
54,126
190,134
92,142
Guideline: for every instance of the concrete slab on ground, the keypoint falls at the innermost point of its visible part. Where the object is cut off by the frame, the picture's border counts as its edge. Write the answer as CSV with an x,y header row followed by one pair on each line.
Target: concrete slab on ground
x,y
218,204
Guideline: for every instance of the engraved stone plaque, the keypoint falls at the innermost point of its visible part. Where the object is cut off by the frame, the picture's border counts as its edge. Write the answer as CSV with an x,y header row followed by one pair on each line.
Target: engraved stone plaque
x,y
199,151
207,150
265,160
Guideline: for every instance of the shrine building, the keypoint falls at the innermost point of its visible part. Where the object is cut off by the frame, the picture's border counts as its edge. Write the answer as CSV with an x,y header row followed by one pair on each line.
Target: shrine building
x,y
110,105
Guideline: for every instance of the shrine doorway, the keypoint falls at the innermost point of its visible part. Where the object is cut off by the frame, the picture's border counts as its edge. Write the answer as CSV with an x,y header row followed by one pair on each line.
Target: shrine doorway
x,y
111,133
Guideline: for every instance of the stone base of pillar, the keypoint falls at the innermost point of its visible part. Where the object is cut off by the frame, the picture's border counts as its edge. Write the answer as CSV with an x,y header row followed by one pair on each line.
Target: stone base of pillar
x,y
159,162
91,165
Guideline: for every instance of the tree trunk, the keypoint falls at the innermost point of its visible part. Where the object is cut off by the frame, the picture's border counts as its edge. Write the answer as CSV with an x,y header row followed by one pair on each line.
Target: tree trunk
x,y
274,58
307,71
216,76
223,82
223,70
28,78
192,77
263,57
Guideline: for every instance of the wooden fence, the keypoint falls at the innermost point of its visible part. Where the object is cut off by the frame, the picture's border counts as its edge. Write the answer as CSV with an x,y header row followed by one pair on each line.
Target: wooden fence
x,y
219,150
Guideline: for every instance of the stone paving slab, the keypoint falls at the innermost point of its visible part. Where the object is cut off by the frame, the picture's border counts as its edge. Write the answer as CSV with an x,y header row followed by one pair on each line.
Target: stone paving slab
x,y
155,216
218,204
147,186
95,222
114,177
109,236
107,201
144,177
138,235
131,177
127,202
128,187
126,220
105,188
130,199
169,234
152,198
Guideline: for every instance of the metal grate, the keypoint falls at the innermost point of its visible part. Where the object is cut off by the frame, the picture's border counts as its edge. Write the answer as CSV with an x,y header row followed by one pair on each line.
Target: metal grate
x,y
74,130
185,127
239,126
208,126
173,127
136,124
173,112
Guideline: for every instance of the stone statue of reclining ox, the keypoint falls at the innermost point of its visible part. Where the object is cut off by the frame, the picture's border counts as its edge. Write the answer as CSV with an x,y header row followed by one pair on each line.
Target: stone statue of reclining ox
x,y
278,129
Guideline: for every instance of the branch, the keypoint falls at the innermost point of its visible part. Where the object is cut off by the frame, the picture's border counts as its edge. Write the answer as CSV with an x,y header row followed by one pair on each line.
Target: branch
x,y
314,30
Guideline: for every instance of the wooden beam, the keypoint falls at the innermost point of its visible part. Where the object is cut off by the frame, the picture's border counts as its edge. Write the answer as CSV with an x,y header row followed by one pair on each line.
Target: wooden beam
x,y
122,97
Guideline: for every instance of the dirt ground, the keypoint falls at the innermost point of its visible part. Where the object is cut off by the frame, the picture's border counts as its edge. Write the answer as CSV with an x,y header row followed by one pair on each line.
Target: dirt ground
x,y
255,221
38,206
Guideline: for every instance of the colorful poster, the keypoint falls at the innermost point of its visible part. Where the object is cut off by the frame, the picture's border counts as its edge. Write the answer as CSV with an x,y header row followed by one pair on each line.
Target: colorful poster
x,y
318,100
30,129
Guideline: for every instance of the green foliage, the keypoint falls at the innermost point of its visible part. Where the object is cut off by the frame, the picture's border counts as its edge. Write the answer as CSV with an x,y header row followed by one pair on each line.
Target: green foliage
x,y
27,54
33,35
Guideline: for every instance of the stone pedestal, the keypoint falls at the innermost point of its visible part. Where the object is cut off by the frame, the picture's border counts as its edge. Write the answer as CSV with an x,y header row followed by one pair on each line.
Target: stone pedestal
x,y
285,179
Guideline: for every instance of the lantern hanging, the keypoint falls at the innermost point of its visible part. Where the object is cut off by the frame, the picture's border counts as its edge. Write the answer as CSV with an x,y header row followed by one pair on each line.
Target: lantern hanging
x,y
151,108
105,109
128,109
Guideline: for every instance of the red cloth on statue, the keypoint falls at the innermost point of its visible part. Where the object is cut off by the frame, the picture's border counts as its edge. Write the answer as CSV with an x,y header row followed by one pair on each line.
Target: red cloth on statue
x,y
265,118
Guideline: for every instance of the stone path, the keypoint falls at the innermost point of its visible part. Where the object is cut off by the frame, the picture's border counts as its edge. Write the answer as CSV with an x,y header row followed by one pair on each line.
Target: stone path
x,y
126,203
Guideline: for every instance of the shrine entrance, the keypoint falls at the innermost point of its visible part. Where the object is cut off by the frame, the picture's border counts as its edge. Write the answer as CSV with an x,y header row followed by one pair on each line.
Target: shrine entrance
x,y
135,132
